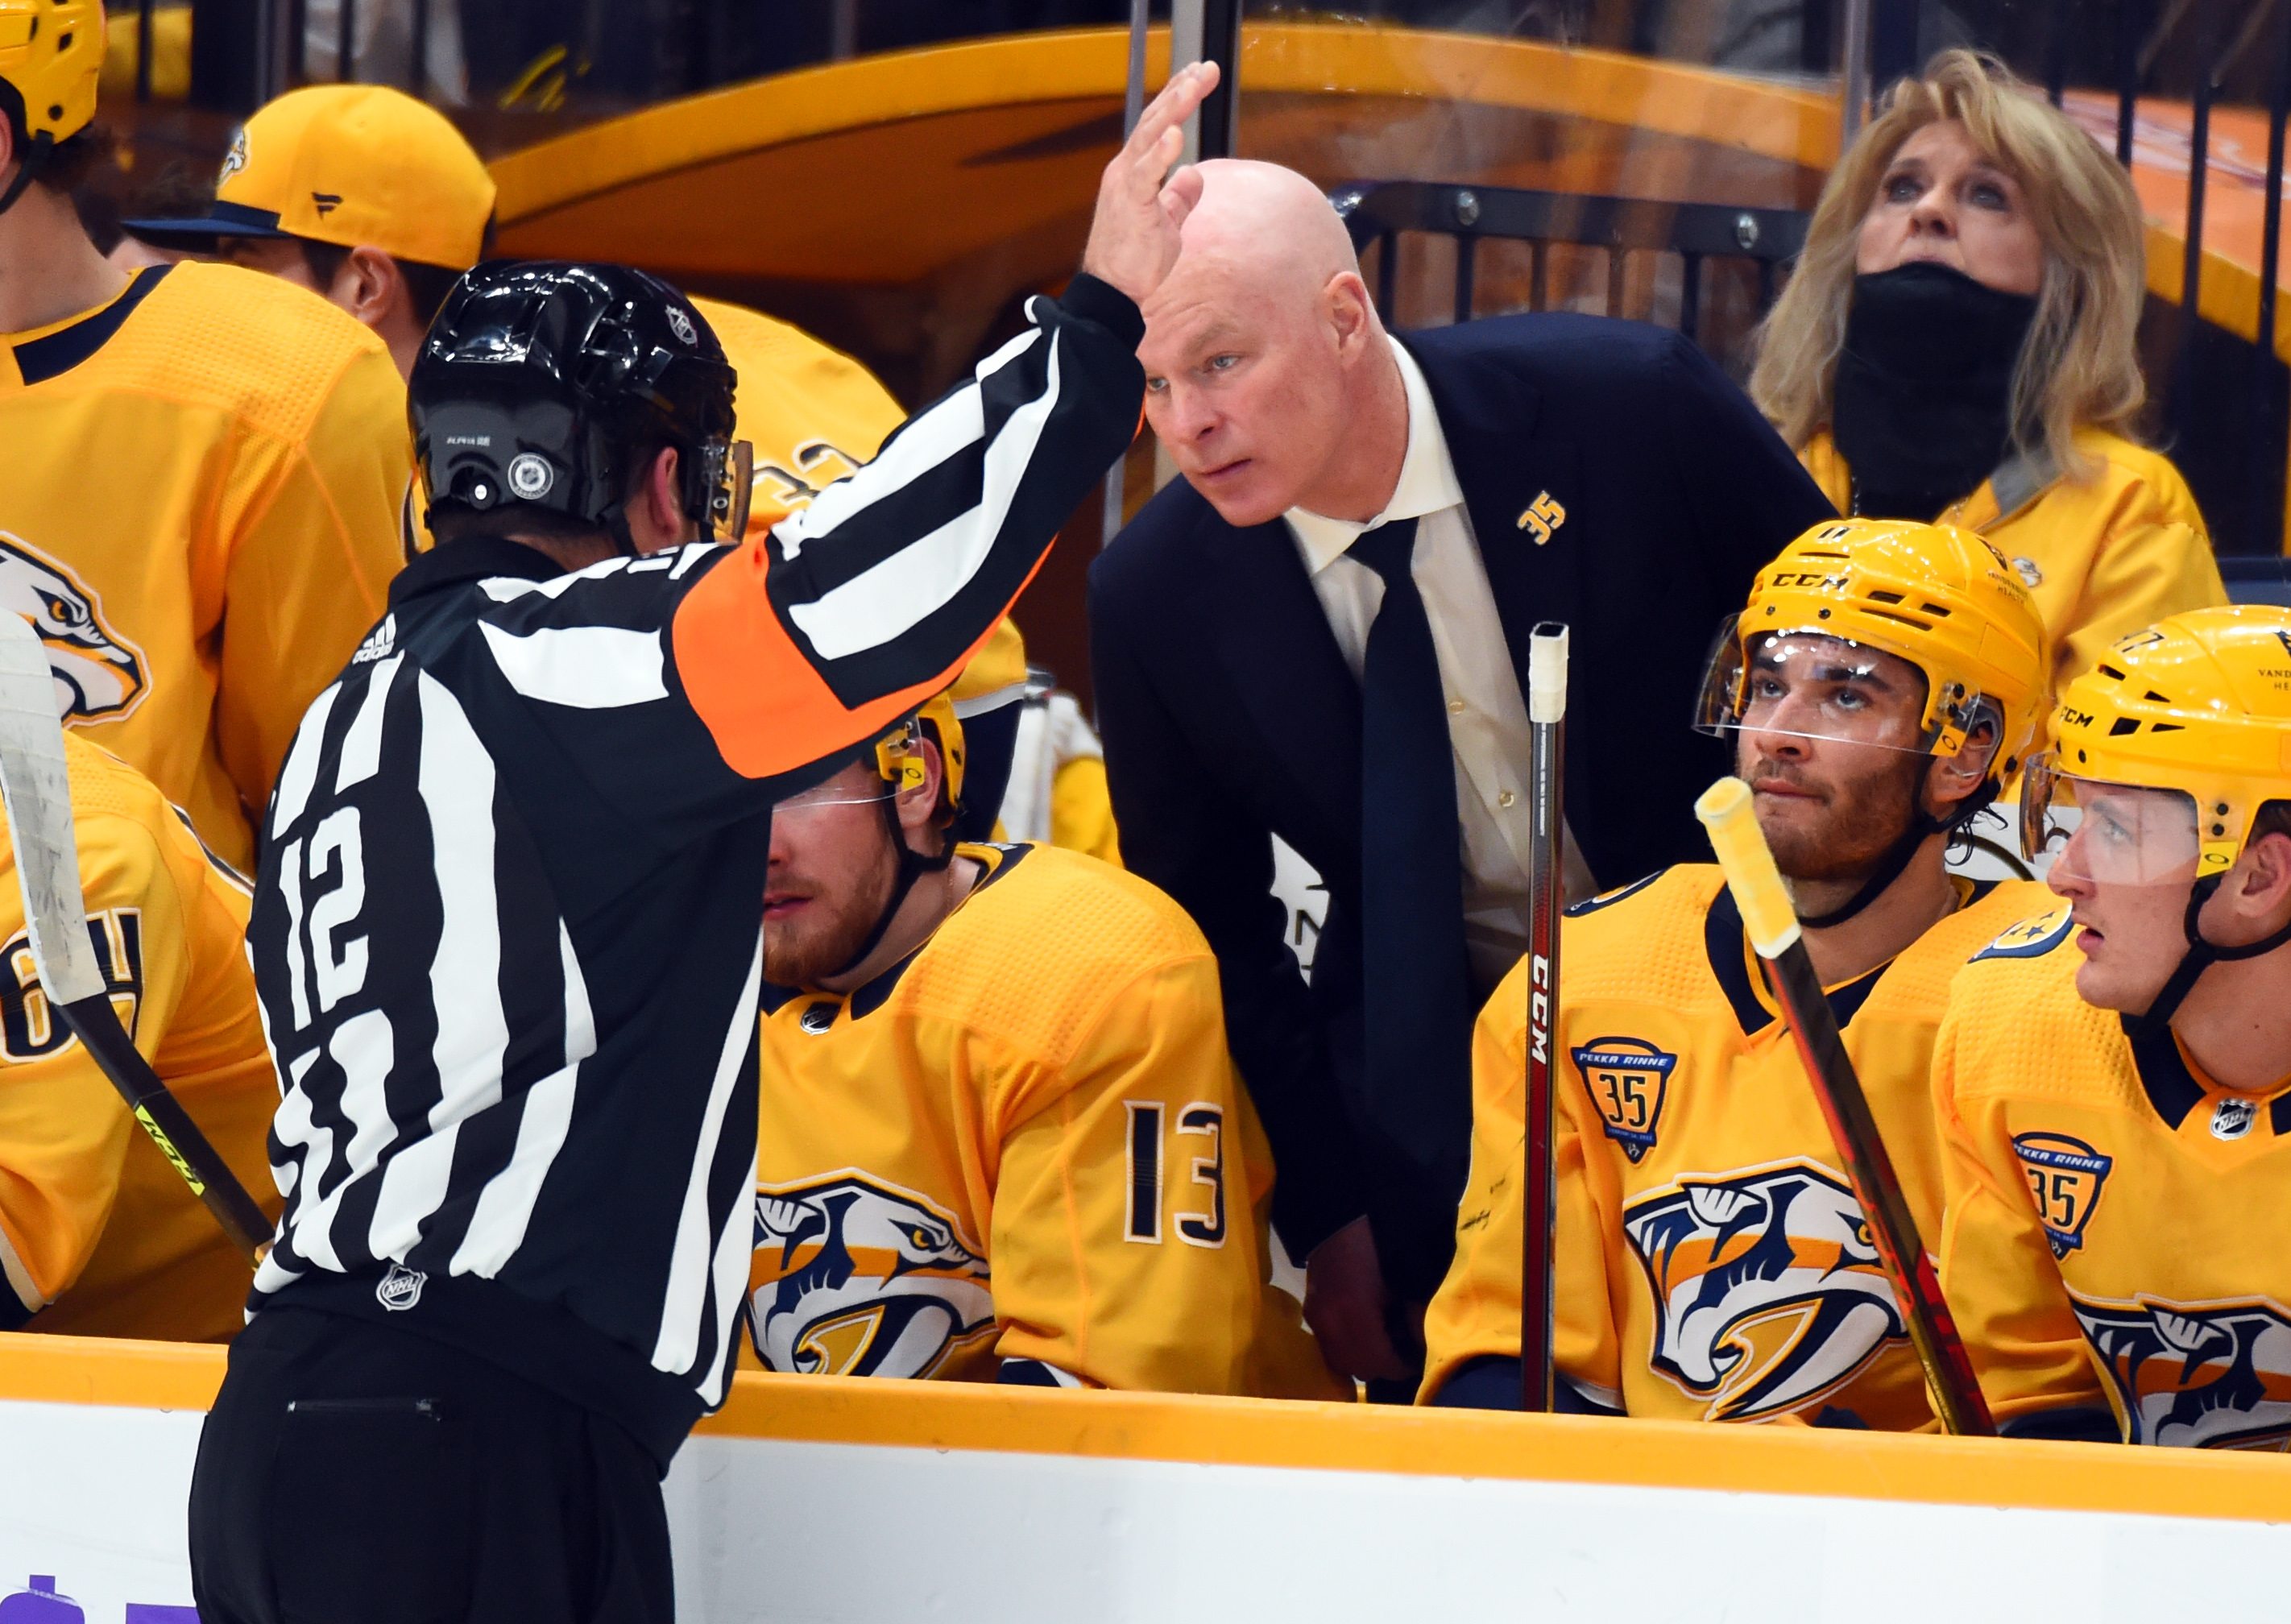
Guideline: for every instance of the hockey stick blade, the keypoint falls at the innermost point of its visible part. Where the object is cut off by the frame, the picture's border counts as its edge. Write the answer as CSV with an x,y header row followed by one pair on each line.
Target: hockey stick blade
x,y
36,791
1772,924
1547,715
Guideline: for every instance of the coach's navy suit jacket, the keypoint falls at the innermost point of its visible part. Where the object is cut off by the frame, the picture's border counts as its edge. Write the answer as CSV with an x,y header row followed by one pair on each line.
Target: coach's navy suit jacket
x,y
1229,714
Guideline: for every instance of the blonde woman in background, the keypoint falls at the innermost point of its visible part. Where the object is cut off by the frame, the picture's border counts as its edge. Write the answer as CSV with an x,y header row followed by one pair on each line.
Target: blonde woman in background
x,y
1958,344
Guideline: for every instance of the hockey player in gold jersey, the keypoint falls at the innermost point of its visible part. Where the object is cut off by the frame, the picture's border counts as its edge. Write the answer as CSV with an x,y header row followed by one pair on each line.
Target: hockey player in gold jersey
x,y
200,491
2113,1081
1000,1138
99,1236
1711,1261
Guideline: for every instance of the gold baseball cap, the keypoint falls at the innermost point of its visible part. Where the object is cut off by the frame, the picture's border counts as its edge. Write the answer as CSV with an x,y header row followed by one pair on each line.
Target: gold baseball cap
x,y
349,164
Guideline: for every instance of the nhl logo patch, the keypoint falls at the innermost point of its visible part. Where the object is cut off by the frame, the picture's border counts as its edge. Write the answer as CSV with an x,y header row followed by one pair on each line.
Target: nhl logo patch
x,y
817,1018
2065,1176
530,476
400,1289
1627,1079
682,325
2231,1118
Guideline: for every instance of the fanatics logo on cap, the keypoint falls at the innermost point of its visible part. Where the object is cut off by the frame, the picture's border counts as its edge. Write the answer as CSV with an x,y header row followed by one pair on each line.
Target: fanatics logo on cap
x,y
400,1289
325,202
2231,1118
235,159
683,326
530,476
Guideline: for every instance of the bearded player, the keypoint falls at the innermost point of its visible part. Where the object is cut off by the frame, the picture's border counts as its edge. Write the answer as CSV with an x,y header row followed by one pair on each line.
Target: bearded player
x,y
1709,1260
1001,1140
2114,1082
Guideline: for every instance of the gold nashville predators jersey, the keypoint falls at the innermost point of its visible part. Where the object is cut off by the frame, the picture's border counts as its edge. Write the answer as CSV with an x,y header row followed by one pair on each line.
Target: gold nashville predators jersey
x,y
198,507
92,1220
1711,1261
2118,1232
1025,1142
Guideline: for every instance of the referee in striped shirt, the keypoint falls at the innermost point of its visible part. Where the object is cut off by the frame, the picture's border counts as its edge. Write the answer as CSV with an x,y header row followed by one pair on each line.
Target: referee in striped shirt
x,y
507,935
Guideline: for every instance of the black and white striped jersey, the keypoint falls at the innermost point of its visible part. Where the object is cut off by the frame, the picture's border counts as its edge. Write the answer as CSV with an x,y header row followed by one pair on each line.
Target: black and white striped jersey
x,y
508,929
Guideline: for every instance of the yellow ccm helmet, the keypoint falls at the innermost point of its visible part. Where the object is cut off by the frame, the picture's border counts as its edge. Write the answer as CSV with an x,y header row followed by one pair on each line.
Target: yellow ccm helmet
x,y
2198,707
2170,748
51,57
1941,599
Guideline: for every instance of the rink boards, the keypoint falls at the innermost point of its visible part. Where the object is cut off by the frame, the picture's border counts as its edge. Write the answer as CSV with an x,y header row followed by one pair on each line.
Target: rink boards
x,y
854,1501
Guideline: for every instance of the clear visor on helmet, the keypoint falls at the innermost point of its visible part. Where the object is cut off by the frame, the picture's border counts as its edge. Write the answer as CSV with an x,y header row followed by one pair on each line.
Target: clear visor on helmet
x,y
1811,684
2109,833
830,794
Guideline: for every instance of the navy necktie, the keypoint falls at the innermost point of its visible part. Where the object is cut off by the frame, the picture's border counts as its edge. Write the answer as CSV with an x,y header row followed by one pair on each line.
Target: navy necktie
x,y
1419,1003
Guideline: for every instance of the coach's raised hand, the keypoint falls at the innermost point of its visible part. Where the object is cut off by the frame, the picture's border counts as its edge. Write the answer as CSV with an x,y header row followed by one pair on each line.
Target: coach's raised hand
x,y
1133,239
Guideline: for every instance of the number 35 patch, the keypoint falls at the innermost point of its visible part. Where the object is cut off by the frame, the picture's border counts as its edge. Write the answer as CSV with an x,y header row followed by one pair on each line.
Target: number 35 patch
x,y
1628,1079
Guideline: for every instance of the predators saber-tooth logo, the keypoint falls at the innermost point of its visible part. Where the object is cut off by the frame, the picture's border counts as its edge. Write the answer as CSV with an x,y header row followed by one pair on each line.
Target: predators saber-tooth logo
x,y
855,1277
1768,1291
99,676
2196,1375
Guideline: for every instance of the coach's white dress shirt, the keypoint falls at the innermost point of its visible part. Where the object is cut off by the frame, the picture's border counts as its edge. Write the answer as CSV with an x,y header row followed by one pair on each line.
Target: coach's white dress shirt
x,y
1487,716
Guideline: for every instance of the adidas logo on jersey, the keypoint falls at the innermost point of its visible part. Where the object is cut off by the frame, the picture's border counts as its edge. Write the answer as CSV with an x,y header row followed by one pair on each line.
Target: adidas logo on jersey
x,y
378,642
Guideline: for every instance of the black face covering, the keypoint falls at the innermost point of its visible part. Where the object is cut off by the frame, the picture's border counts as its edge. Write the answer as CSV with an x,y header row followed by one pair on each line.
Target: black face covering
x,y
1923,400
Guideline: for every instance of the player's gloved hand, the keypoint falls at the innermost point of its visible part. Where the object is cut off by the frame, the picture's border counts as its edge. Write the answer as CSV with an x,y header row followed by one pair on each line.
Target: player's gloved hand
x,y
1133,238
1344,1305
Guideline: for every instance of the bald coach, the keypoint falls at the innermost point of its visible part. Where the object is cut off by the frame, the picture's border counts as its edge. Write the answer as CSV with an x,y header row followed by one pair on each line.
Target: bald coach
x,y
1320,633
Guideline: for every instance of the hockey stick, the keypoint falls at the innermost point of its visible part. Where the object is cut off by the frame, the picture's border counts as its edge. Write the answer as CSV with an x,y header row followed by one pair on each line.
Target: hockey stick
x,y
36,792
1547,728
1772,924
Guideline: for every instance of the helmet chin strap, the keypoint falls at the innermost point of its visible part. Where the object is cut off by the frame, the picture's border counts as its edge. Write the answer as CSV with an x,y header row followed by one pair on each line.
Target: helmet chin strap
x,y
617,521
2201,955
913,867
29,171
1890,868
1899,856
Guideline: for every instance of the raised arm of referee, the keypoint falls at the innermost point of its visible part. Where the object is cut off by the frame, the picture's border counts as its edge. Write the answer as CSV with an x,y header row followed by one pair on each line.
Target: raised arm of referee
x,y
508,927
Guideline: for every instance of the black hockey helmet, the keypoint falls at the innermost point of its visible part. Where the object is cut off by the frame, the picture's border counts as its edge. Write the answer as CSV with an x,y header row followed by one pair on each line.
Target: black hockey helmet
x,y
541,382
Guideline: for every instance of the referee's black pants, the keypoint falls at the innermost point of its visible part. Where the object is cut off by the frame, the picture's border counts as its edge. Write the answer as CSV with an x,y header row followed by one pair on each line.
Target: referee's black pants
x,y
351,1472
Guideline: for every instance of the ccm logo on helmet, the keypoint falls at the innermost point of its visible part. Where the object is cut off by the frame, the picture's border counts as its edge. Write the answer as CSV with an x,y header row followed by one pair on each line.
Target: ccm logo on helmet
x,y
1789,579
2075,718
